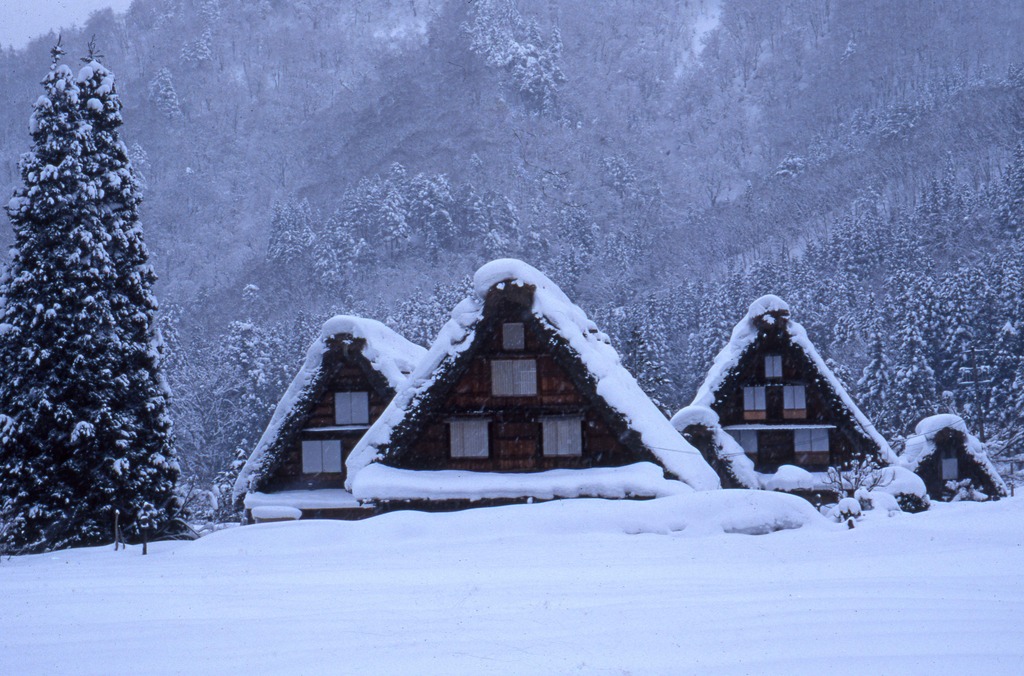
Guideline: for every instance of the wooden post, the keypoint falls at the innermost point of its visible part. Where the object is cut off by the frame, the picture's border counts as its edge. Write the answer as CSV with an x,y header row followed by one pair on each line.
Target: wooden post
x,y
117,529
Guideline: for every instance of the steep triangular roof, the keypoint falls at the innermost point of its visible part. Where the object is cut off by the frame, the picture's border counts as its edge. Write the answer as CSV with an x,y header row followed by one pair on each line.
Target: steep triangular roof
x,y
921,446
577,338
765,312
390,356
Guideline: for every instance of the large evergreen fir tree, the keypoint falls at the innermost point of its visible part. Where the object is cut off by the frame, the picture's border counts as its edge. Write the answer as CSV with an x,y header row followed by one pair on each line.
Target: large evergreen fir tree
x,y
83,404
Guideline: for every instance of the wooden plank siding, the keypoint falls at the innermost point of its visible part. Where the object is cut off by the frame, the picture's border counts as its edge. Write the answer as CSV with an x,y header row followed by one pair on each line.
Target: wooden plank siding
x,y
845,444
515,431
346,371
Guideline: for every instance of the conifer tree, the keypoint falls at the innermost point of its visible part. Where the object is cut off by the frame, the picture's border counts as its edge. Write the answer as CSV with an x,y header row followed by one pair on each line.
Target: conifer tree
x,y
83,405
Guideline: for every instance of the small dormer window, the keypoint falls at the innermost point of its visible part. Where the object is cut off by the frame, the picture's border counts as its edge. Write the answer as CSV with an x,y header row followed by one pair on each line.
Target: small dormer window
x,y
773,366
513,336
351,408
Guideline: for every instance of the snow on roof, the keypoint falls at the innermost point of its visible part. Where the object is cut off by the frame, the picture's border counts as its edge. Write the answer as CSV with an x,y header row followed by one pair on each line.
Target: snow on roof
x,y
921,445
642,479
727,448
553,309
389,354
744,335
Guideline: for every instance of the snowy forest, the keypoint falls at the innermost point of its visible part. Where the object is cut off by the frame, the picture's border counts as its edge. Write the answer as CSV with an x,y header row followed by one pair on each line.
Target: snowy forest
x,y
665,162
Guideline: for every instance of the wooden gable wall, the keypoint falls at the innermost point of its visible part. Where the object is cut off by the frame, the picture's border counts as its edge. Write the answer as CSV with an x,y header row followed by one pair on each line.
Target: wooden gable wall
x,y
846,443
345,369
515,430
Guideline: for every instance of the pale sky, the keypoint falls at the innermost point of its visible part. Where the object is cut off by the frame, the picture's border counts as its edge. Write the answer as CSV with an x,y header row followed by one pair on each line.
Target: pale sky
x,y
22,20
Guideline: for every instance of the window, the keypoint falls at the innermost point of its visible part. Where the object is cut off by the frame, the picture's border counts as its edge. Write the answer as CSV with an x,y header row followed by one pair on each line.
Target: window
x,y
514,377
950,465
351,408
794,401
810,441
469,438
321,456
794,396
747,439
773,366
754,403
810,448
513,337
563,436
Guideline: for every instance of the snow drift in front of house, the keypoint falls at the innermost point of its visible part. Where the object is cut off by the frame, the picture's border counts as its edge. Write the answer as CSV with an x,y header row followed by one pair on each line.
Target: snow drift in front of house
x,y
390,354
921,446
639,480
743,336
553,308
562,587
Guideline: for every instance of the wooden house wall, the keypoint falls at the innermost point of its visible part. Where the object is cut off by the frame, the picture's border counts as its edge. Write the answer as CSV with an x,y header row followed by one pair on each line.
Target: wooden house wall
x,y
845,441
515,430
346,370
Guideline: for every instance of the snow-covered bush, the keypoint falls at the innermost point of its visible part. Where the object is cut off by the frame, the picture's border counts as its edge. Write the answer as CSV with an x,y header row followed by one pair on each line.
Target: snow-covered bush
x,y
965,491
877,501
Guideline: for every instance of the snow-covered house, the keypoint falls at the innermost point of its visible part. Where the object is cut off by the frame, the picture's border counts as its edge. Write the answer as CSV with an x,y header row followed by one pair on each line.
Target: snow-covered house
x,y
520,398
351,372
771,414
952,462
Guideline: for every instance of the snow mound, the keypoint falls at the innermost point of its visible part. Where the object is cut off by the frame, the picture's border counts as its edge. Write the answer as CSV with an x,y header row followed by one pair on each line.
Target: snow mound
x,y
695,513
642,479
898,480
767,304
276,513
695,415
790,478
553,308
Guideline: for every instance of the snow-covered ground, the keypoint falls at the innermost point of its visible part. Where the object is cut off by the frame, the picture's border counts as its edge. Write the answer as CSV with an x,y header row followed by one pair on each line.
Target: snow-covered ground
x,y
581,586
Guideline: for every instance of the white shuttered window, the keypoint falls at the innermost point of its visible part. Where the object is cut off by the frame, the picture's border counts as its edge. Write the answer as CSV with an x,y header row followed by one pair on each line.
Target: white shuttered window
x,y
747,439
807,441
773,366
469,438
351,408
514,377
753,398
321,456
563,436
794,397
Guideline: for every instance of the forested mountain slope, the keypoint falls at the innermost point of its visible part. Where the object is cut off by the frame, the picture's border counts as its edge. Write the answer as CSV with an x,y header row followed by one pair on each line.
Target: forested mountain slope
x,y
664,161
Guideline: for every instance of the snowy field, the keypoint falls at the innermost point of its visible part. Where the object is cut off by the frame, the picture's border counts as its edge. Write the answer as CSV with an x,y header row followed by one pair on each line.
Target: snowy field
x,y
582,586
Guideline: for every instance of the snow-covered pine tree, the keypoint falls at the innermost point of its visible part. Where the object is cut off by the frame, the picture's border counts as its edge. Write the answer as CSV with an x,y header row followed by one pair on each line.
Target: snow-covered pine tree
x,y
164,96
83,426
913,384
150,469
1009,206
875,385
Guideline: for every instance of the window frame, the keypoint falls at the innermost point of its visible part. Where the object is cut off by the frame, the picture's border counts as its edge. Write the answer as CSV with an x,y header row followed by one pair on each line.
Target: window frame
x,y
752,395
457,438
794,401
522,383
558,428
349,396
513,340
324,449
